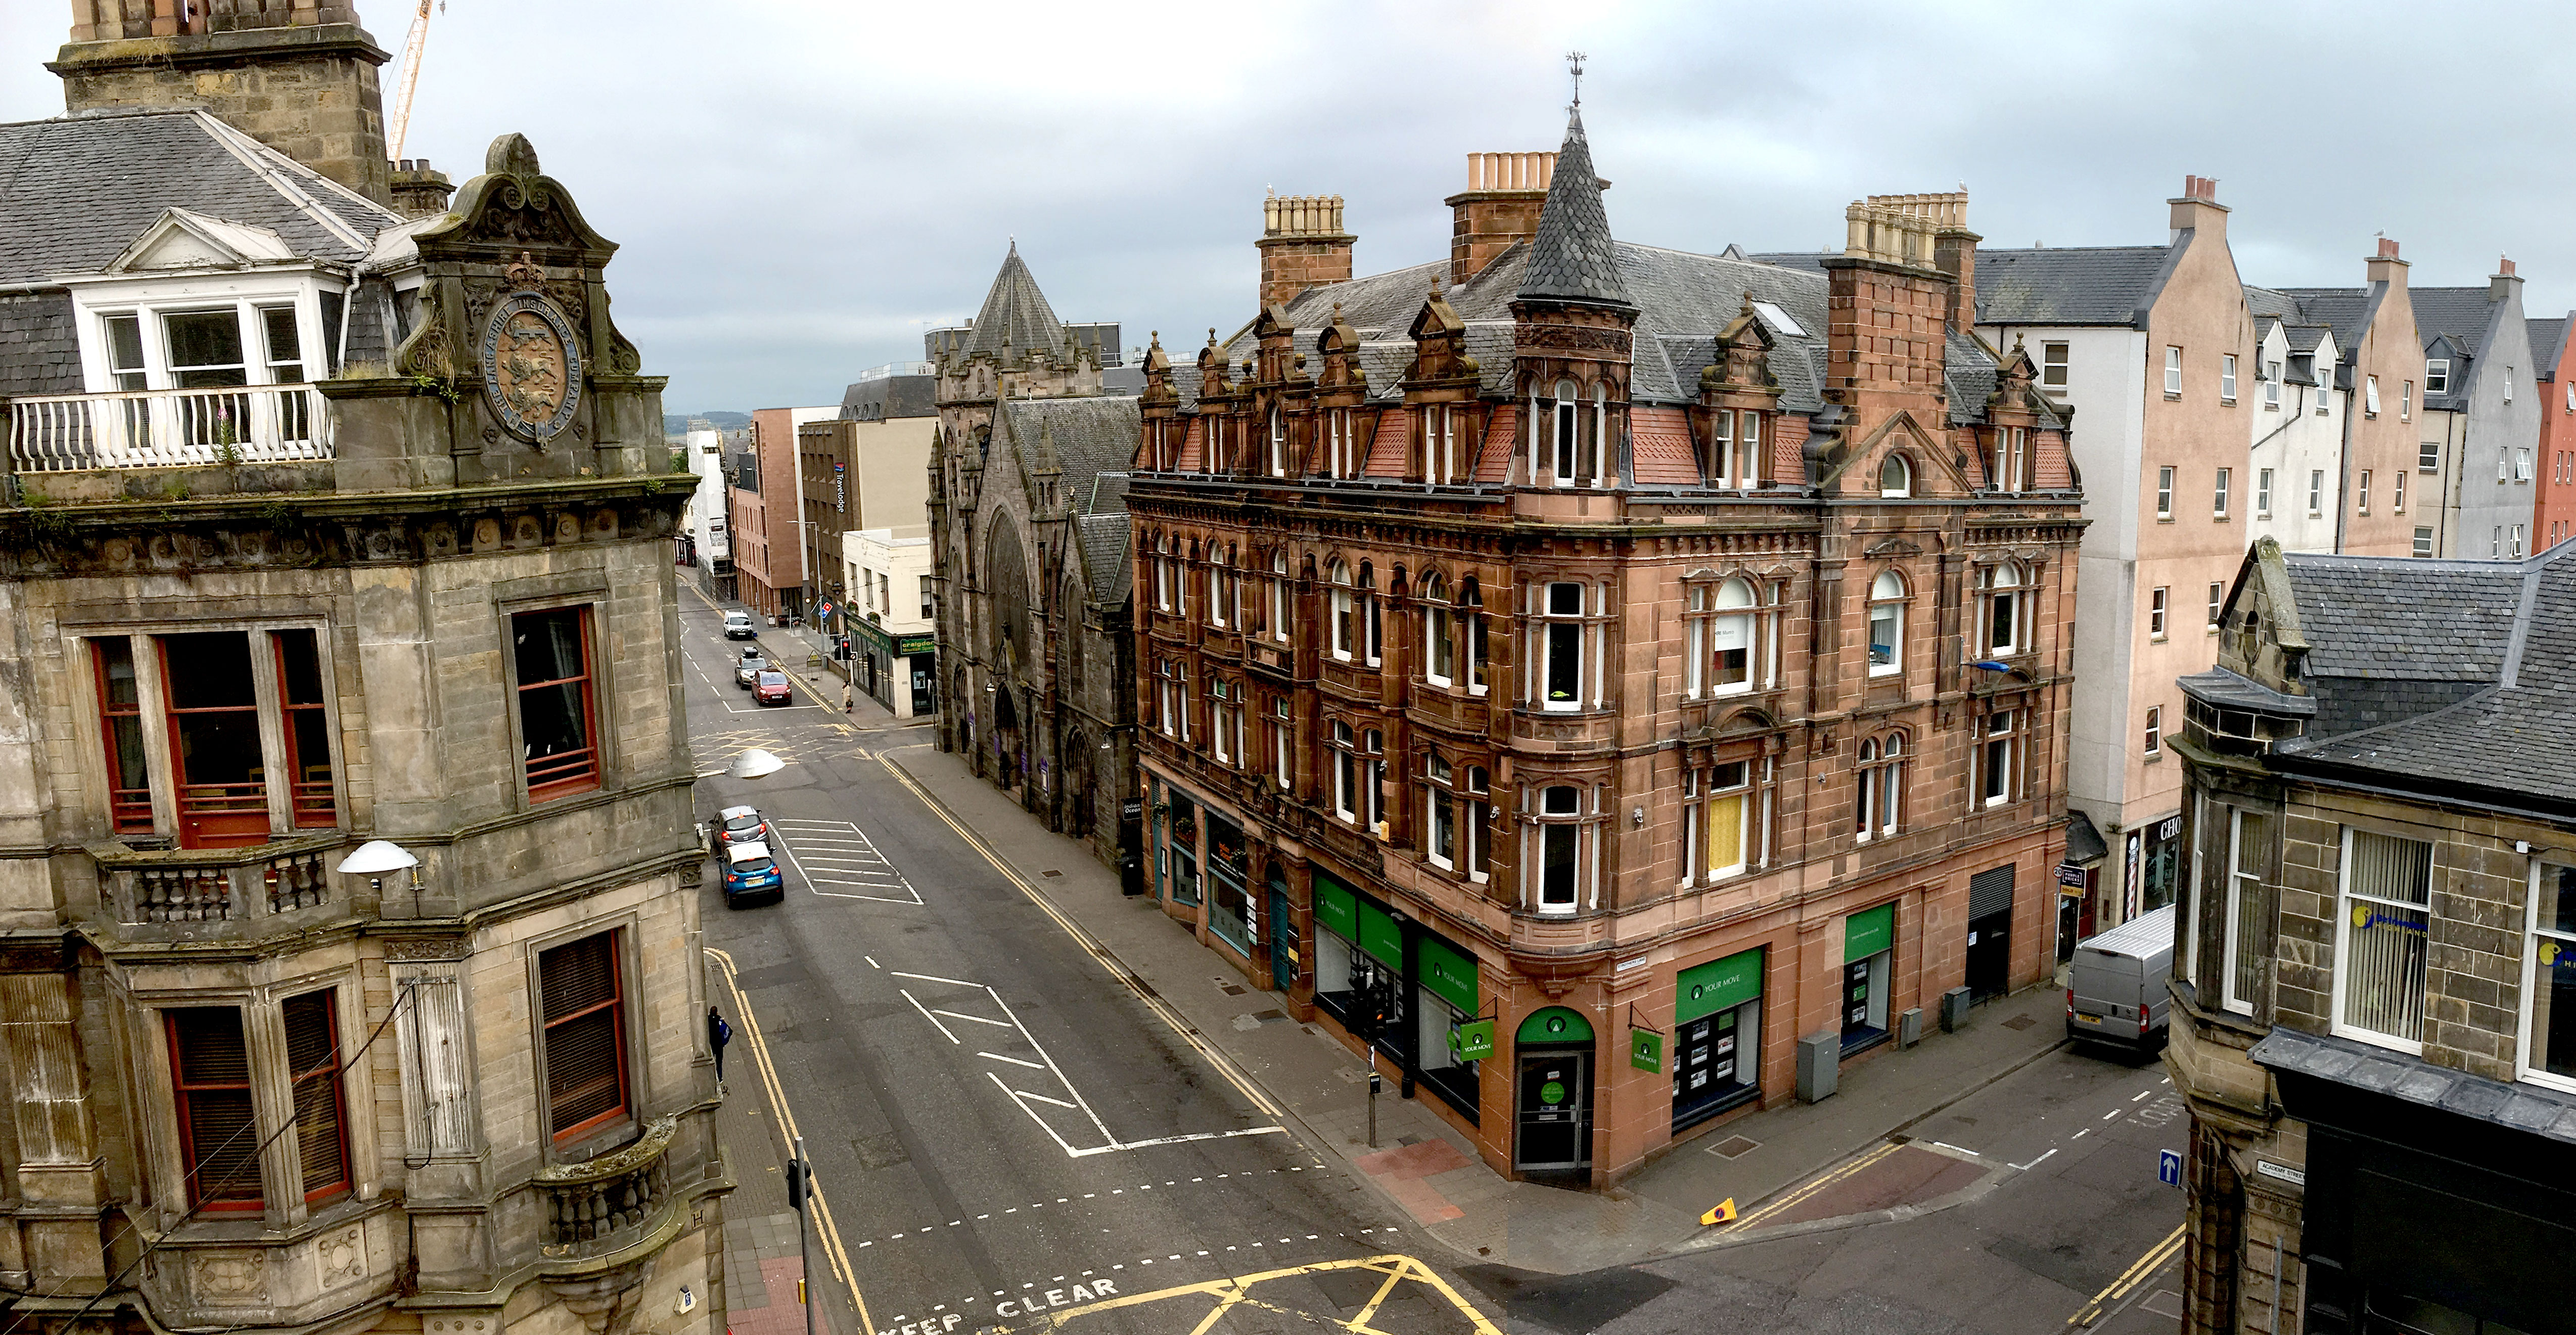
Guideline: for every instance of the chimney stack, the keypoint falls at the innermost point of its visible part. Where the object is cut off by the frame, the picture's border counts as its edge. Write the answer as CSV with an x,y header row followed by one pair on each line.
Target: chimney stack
x,y
1302,245
2385,267
419,190
2505,282
2197,209
299,77
1921,232
1500,206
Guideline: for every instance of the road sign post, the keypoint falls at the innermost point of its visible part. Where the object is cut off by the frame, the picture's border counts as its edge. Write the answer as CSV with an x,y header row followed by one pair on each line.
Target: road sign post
x,y
2169,1167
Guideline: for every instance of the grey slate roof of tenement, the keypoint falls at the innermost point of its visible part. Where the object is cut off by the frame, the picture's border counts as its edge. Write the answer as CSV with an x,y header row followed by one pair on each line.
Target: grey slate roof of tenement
x,y
2501,636
2465,313
2548,339
2341,309
2072,285
1572,257
76,190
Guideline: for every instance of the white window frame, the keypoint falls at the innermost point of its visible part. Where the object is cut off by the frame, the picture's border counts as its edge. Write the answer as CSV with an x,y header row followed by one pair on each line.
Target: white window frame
x,y
2361,492
2316,492
2054,365
1989,740
2406,400
2158,599
1439,633
2164,491
2263,493
2533,937
1344,633
1904,470
2344,900
2217,603
2152,738
2173,371
2220,496
1544,820
2370,395
1895,605
2239,883
1551,622
2325,386
2272,386
2437,375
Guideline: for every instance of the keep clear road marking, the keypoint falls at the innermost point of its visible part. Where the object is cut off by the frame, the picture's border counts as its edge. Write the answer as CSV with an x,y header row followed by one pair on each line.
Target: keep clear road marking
x,y
1061,1308
841,855
835,1256
1162,1010
1072,1100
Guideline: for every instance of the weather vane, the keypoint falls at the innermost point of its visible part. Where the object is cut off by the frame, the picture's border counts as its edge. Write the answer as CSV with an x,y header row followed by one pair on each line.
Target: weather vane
x,y
1574,62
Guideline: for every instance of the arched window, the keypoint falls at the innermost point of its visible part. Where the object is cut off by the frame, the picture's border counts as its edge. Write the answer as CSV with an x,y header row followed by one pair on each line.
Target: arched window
x,y
1725,819
1163,573
1345,613
1596,439
1895,476
1346,773
1887,624
1878,789
1866,790
1439,630
1731,639
2005,614
1471,613
1372,627
1568,467
1279,596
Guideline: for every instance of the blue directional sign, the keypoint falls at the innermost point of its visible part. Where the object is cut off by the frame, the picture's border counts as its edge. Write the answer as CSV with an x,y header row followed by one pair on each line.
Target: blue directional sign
x,y
2169,1167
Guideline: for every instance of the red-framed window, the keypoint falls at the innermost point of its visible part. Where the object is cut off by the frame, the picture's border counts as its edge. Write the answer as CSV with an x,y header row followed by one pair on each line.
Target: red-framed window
x,y
321,1111
120,714
218,1137
307,726
558,714
582,989
214,739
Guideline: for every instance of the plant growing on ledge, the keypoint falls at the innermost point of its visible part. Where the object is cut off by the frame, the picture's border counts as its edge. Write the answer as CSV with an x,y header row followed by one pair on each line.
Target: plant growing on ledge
x,y
442,386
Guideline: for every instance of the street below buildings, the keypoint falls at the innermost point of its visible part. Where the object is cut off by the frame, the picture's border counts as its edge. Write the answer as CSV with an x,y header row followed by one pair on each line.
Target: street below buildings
x,y
1004,1132
1011,1130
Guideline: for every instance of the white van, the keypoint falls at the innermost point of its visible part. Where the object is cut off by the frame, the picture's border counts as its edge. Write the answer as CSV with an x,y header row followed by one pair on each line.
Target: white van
x,y
2117,995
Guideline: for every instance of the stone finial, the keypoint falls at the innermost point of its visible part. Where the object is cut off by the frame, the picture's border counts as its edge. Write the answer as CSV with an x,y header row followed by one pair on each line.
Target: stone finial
x,y
511,155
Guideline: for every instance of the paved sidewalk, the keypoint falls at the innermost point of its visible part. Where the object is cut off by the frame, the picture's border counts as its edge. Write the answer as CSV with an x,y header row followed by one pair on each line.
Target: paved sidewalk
x,y
761,1260
1425,1167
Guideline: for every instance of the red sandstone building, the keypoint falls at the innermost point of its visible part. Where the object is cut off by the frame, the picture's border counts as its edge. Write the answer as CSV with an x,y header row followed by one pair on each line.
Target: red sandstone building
x,y
1617,664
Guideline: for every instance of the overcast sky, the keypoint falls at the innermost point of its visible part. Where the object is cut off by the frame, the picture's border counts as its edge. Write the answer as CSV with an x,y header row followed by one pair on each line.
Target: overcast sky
x,y
797,198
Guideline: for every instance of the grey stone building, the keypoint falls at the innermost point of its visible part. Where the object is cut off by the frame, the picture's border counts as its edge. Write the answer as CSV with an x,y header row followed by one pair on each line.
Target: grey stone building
x,y
325,527
2375,1018
1029,532
2482,401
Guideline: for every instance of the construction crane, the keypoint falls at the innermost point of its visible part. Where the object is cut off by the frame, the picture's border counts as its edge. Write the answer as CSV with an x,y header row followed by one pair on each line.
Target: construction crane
x,y
401,125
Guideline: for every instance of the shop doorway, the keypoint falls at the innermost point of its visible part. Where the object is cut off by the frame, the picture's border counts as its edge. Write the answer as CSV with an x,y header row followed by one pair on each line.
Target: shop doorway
x,y
1990,901
1553,1099
1869,952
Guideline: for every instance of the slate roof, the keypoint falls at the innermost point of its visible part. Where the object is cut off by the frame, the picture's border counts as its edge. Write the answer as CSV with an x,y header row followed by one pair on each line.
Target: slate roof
x,y
2548,339
1016,310
2068,285
2342,1061
1104,556
2345,310
1573,257
2465,313
76,190
1091,436
2492,643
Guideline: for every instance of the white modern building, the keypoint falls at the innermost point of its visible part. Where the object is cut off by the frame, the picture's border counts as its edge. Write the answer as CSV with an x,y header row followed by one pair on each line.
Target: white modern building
x,y
710,547
892,619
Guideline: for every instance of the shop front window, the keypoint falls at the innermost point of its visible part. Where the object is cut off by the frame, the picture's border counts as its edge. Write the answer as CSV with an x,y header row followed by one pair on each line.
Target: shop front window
x,y
1229,910
1717,1045
1869,940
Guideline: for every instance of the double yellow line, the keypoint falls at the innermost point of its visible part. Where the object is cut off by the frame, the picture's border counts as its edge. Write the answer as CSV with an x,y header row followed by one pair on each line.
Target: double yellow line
x,y
2131,1278
834,1254
1816,1185
1091,945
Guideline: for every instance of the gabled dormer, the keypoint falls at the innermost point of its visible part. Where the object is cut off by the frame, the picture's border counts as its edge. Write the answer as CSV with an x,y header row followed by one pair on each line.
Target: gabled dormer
x,y
1739,400
200,302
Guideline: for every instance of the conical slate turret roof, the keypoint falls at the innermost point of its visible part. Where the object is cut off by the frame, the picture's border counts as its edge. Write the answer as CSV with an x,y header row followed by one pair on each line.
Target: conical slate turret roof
x,y
1572,257
1016,310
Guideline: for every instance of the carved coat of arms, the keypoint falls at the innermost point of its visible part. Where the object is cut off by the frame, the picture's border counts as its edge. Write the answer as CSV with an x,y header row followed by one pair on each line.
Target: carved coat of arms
x,y
531,360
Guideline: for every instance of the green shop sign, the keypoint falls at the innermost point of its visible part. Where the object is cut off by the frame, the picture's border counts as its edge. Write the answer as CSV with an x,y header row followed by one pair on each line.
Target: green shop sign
x,y
1717,985
1472,1041
1868,932
1645,1049
914,646
1555,1024
1449,974
1336,910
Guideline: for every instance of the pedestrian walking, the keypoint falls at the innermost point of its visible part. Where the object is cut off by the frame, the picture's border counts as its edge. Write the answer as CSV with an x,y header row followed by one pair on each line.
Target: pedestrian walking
x,y
849,698
718,1034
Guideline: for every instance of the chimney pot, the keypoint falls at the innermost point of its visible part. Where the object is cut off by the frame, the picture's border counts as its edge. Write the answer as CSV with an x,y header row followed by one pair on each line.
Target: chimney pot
x,y
2504,265
2387,248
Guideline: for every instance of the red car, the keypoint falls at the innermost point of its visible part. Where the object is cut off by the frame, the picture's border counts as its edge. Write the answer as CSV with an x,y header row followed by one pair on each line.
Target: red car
x,y
772,689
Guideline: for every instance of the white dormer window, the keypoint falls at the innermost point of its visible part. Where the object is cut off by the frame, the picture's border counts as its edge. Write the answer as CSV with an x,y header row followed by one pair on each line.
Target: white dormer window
x,y
2437,375
2272,385
2325,384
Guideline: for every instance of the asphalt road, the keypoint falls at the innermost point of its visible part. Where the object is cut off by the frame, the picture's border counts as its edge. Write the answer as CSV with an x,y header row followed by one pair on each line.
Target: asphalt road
x,y
1005,1134
2049,1220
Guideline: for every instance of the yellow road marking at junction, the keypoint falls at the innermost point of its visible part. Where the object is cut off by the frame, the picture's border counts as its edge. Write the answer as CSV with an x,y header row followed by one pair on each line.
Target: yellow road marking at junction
x,y
1238,1291
2131,1278
1156,1004
834,1255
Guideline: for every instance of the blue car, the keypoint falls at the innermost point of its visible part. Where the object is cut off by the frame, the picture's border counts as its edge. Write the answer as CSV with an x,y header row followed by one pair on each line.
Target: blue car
x,y
751,875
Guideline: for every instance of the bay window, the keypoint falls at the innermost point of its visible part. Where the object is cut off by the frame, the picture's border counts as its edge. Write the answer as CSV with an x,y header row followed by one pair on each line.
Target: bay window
x,y
558,723
1560,647
1726,639
2243,955
313,1070
210,1081
2386,891
1557,874
581,994
1568,468
227,785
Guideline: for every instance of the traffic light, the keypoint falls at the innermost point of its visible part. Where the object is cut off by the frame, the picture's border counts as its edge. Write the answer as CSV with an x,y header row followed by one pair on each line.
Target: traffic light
x,y
796,1184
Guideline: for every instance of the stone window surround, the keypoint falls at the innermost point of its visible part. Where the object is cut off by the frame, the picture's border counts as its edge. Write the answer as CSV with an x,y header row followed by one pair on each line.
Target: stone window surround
x,y
152,693
547,593
272,1096
628,924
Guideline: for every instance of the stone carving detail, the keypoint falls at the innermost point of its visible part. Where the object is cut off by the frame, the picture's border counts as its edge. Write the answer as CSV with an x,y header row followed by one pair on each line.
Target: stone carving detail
x,y
343,1257
427,948
428,351
530,359
228,1279
1572,338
